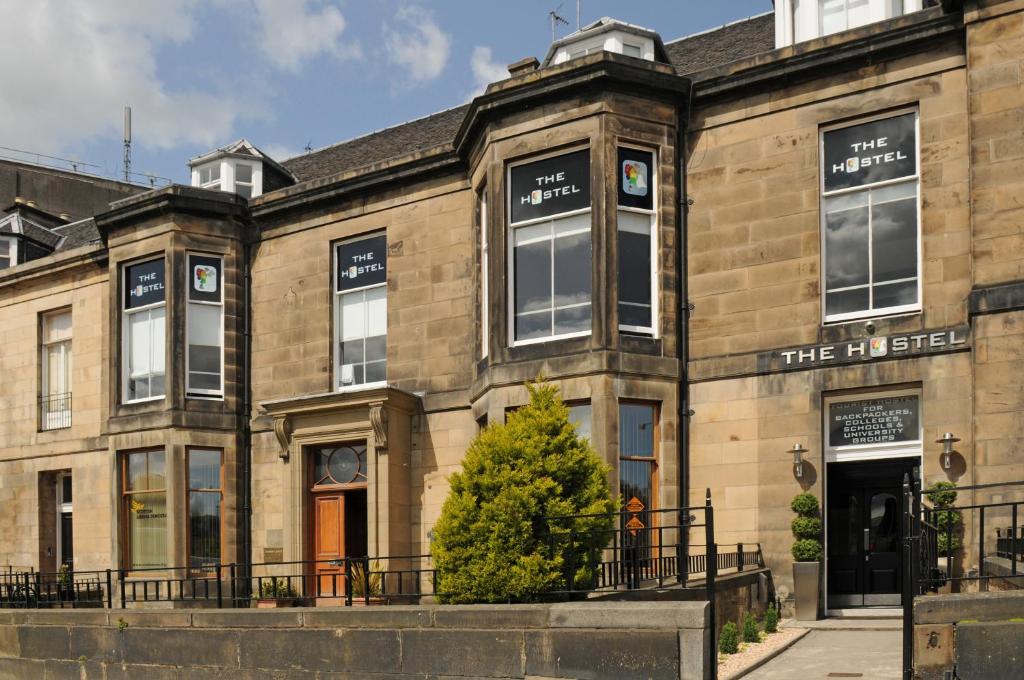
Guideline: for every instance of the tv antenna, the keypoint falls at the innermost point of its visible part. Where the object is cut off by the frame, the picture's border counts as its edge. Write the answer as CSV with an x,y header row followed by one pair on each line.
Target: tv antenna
x,y
127,143
309,146
556,19
579,12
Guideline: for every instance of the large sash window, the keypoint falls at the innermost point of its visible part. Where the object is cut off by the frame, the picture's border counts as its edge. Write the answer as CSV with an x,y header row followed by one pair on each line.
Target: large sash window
x,y
205,356
361,313
144,331
637,227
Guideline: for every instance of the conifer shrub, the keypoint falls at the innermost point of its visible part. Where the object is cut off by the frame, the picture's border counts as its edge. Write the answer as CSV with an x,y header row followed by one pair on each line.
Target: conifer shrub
x,y
771,619
728,639
948,520
750,632
495,541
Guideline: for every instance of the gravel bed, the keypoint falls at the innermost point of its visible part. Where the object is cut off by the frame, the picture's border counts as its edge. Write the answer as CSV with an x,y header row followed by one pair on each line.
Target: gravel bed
x,y
732,666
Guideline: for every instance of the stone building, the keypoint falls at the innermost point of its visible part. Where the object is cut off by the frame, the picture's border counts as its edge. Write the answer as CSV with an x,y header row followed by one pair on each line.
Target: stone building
x,y
286,360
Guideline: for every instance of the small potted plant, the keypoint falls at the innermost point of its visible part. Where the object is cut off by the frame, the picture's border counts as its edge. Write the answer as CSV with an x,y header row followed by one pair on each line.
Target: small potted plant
x,y
65,590
807,553
948,523
367,587
276,592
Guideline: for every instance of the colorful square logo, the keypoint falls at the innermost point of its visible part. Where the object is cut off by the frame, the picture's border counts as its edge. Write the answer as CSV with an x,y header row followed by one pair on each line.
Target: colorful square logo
x,y
879,347
634,178
852,164
536,196
204,278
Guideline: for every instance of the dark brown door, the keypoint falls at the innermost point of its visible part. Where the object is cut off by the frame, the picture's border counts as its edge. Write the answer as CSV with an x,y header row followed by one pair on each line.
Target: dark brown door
x,y
329,543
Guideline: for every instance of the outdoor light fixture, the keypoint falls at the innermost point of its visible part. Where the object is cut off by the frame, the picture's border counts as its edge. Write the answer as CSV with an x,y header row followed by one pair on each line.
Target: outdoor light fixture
x,y
947,442
798,452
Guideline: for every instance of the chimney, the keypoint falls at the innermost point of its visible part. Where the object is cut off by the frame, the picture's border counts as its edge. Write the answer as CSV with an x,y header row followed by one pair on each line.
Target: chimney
x,y
523,66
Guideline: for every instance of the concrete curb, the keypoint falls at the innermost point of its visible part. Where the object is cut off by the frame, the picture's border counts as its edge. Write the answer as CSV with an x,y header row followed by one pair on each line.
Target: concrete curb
x,y
760,662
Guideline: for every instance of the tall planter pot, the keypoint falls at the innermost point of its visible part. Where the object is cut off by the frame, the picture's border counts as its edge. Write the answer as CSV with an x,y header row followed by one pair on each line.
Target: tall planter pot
x,y
807,589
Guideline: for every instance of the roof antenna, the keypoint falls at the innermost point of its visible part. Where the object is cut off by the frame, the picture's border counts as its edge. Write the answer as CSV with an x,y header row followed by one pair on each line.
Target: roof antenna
x,y
127,143
556,18
579,11
309,146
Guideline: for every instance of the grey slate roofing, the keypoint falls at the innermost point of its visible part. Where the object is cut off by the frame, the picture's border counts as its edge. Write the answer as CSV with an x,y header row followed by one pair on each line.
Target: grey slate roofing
x,y
688,55
78,234
18,224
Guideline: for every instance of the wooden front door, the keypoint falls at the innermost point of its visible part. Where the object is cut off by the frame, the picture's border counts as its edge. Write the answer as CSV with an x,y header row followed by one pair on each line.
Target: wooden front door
x,y
329,543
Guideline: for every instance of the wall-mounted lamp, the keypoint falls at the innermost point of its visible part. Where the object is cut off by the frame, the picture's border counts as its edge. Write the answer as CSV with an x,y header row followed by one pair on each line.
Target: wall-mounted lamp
x,y
947,442
798,452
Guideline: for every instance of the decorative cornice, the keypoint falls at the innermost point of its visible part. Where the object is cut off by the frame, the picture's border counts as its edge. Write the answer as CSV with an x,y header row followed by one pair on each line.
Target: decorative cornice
x,y
327,402
283,432
379,423
1006,297
175,199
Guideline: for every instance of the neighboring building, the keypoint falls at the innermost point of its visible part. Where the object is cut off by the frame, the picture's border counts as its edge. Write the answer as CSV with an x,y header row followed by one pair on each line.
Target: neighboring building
x,y
287,360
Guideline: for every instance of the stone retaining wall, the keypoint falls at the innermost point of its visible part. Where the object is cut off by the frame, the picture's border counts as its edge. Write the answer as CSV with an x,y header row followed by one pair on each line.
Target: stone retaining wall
x,y
646,641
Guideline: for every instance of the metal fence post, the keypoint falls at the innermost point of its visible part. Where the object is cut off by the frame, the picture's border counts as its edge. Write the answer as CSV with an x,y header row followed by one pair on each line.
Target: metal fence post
x,y
27,586
234,593
110,595
710,576
739,557
220,586
120,582
348,582
1013,541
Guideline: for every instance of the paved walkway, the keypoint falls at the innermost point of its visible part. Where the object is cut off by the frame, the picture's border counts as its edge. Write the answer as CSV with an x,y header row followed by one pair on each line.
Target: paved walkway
x,y
826,654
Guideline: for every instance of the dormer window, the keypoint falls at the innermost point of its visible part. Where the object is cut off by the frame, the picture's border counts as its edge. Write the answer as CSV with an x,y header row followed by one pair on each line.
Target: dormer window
x,y
239,168
800,20
244,180
607,35
209,176
8,252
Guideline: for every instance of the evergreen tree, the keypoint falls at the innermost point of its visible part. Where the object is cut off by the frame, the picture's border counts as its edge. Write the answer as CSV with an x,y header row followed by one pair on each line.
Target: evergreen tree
x,y
495,541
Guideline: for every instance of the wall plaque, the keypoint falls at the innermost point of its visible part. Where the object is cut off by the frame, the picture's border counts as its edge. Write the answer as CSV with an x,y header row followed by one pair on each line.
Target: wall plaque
x,y
874,421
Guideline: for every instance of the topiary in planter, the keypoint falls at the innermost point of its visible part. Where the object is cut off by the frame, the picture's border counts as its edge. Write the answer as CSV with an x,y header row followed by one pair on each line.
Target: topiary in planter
x,y
728,640
494,541
948,520
750,632
806,528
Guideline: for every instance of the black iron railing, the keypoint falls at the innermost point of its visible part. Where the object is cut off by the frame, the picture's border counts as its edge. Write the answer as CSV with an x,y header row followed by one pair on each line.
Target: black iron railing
x,y
959,545
56,590
55,411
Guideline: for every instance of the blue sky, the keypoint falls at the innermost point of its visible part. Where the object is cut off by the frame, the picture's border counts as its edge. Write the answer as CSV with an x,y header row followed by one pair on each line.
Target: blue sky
x,y
282,73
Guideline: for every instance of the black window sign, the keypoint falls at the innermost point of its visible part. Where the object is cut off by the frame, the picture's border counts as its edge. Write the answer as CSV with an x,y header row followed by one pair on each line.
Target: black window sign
x,y
551,186
362,263
891,420
144,284
205,280
636,179
872,152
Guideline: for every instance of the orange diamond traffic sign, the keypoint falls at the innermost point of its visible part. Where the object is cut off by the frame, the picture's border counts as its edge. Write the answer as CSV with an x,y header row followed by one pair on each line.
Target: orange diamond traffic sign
x,y
635,505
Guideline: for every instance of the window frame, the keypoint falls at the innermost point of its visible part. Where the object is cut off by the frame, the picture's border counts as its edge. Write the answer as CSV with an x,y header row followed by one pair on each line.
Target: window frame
x,y
655,181
126,314
872,452
654,458
45,392
64,506
125,495
252,179
511,228
211,183
484,222
188,504
12,252
199,393
336,311
870,313
315,451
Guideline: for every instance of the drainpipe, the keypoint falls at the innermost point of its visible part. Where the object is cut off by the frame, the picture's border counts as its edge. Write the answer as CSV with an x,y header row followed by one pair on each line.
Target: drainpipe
x,y
246,463
682,316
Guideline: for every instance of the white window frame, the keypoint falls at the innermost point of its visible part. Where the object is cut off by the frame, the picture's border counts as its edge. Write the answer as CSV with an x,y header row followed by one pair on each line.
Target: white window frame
x,y
55,417
484,272
252,178
652,330
195,392
126,315
872,313
867,452
12,253
511,244
211,183
336,333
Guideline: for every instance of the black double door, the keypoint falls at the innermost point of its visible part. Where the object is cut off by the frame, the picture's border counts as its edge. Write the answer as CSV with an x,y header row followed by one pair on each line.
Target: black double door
x,y
865,533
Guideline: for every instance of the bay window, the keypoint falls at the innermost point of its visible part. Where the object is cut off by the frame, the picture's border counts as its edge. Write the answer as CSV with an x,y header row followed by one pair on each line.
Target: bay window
x,y
144,509
870,218
360,312
205,500
550,240
204,359
636,219
143,331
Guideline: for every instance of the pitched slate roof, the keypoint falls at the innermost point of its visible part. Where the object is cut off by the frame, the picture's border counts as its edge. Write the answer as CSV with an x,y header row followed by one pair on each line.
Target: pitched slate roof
x,y
688,55
721,45
78,234
18,224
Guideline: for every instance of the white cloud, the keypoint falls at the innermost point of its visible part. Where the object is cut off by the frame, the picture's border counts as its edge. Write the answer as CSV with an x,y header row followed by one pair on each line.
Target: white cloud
x,y
291,31
417,44
71,66
280,152
485,69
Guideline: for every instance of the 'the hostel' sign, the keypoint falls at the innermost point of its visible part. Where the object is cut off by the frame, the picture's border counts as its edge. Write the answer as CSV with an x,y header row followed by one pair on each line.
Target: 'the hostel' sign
x,y
871,152
881,347
551,186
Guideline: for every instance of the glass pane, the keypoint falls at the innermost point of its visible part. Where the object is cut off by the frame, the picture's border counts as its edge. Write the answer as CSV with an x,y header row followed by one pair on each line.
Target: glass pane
x,y
572,320
5,247
204,381
376,348
243,173
858,13
243,190
844,531
631,50
136,471
56,371
158,338
203,469
344,465
636,430
581,416
847,301
66,539
533,277
204,528
633,315
320,466
204,359
376,311
896,294
833,16
846,241
894,233
884,534
139,340
204,324
636,481
147,529
572,269
376,371
352,352
353,315
56,326
635,265
65,491
530,326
